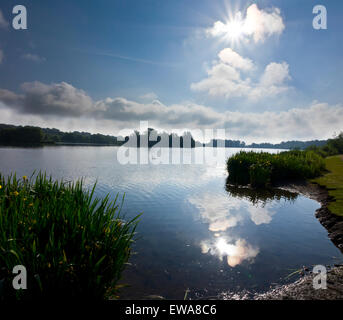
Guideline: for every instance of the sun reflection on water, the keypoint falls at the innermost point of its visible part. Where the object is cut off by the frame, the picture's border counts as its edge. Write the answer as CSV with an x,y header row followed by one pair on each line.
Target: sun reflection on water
x,y
235,252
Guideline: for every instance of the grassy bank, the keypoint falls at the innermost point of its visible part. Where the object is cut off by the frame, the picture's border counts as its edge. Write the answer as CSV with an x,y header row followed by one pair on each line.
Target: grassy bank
x,y
260,169
333,182
72,244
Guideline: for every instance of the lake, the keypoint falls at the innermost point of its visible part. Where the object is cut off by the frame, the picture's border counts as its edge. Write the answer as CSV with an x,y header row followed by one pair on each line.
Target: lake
x,y
196,233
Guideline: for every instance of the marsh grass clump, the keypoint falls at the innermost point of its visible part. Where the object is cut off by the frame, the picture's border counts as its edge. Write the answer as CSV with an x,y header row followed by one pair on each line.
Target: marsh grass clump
x,y
260,169
260,174
72,244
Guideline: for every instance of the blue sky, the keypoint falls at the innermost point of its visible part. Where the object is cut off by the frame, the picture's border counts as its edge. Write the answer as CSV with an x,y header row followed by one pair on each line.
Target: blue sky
x,y
103,66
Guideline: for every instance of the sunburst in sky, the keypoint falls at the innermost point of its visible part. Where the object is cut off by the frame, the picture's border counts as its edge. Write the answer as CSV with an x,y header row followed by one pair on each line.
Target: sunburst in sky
x,y
257,69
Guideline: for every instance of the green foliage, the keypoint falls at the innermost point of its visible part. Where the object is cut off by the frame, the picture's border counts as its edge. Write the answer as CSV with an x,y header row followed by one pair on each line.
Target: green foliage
x,y
18,135
262,168
21,136
72,244
260,175
295,144
333,147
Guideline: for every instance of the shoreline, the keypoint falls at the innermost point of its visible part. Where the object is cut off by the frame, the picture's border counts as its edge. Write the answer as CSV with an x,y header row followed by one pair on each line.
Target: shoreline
x,y
331,222
302,289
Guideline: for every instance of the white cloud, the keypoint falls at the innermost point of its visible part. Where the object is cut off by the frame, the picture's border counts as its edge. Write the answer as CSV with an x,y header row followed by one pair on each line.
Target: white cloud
x,y
257,25
174,115
46,104
318,121
58,99
225,79
33,57
275,74
232,58
150,96
263,23
3,22
272,82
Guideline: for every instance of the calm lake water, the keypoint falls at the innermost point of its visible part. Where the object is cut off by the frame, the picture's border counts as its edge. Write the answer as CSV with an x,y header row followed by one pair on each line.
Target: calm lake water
x,y
195,232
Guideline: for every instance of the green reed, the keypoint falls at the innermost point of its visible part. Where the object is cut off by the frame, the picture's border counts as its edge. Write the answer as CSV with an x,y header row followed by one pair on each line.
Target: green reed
x,y
72,244
261,169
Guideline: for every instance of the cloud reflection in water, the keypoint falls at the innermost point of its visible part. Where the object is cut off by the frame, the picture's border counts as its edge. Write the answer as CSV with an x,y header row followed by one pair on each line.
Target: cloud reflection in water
x,y
235,252
222,213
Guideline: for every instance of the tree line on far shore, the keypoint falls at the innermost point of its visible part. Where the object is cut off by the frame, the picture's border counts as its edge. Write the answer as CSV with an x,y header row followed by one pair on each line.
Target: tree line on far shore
x,y
30,135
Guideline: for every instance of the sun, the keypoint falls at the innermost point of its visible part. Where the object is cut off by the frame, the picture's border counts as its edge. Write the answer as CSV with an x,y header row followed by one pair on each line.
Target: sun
x,y
235,28
232,30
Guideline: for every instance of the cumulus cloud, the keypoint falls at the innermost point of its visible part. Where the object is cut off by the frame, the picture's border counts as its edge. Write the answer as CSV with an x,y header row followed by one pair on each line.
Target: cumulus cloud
x,y
230,57
174,115
275,74
224,78
318,121
223,81
263,23
272,82
58,99
33,57
3,22
63,101
257,25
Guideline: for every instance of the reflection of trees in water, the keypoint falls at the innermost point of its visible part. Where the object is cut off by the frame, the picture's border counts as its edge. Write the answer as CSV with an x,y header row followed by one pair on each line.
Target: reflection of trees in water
x,y
263,195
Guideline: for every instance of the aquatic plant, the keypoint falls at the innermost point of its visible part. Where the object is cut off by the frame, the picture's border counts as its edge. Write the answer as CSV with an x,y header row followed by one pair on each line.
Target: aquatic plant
x,y
72,244
261,168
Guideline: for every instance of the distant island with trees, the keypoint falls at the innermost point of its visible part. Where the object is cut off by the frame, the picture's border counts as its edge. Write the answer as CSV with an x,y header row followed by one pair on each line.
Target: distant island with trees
x,y
12,135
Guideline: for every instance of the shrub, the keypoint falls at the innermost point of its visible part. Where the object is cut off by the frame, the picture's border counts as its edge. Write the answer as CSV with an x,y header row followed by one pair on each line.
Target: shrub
x,y
259,175
72,244
262,168
333,147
